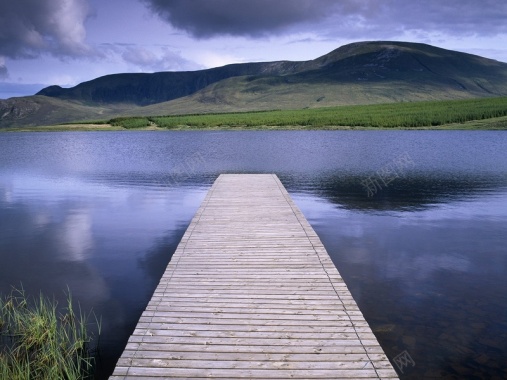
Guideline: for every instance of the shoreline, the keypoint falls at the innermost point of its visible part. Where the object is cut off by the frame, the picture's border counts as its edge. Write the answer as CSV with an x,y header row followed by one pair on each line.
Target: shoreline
x,y
478,125
490,124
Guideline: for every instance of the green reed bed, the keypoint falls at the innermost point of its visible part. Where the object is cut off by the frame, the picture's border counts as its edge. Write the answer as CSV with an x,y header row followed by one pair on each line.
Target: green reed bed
x,y
40,340
390,115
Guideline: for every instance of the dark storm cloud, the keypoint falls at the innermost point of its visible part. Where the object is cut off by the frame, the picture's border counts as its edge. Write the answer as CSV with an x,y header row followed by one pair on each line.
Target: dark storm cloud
x,y
206,18
345,18
29,28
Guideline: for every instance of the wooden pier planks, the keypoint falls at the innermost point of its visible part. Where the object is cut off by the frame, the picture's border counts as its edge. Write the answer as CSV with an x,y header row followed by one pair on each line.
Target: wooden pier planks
x,y
251,293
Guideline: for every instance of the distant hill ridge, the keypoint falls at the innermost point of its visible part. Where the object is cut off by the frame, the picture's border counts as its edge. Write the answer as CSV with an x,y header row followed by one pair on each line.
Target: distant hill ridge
x,y
143,89
363,61
358,73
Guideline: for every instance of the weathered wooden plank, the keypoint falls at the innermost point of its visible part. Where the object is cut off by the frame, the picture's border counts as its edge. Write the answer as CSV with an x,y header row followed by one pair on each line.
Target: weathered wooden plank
x,y
253,328
246,363
251,292
231,341
232,306
241,310
137,347
343,320
169,299
180,355
252,334
232,373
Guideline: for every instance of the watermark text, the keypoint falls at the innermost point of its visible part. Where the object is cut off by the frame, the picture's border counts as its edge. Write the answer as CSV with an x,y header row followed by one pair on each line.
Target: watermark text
x,y
387,174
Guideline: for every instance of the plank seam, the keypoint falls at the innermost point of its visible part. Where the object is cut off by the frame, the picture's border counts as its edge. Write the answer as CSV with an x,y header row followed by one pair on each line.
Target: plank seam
x,y
292,205
168,281
244,281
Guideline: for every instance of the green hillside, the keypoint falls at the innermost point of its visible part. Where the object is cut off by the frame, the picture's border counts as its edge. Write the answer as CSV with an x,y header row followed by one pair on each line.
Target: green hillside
x,y
389,115
354,74
362,73
43,110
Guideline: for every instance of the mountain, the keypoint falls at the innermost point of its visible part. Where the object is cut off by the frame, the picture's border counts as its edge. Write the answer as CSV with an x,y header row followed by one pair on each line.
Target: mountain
x,y
358,73
144,89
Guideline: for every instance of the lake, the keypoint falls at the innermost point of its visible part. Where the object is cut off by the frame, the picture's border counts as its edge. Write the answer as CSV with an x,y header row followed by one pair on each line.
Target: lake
x,y
415,221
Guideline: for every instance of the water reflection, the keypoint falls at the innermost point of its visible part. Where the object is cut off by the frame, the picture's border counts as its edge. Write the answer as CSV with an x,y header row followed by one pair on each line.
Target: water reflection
x,y
429,280
414,191
424,257
107,245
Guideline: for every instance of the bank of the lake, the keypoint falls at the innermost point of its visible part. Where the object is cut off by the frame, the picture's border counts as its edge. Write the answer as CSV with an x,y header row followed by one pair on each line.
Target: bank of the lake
x,y
493,124
482,113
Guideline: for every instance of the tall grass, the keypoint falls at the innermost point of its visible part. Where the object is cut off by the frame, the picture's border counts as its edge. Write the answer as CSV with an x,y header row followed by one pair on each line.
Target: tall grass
x,y
39,340
390,115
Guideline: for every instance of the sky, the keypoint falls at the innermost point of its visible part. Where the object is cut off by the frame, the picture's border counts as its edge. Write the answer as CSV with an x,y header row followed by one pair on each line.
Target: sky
x,y
65,42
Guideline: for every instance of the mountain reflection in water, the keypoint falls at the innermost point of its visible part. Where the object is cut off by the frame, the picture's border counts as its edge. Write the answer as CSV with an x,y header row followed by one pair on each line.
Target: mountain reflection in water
x,y
424,256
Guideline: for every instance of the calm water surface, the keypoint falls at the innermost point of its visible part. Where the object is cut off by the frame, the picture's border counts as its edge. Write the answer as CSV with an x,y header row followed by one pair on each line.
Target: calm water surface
x,y
416,223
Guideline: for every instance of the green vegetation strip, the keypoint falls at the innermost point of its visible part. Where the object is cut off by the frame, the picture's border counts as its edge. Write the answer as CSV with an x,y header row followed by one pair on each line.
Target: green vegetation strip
x,y
40,341
391,115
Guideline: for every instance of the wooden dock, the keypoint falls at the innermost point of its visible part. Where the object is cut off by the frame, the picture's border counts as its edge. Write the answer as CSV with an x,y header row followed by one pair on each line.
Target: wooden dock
x,y
251,293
